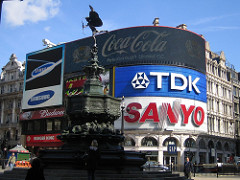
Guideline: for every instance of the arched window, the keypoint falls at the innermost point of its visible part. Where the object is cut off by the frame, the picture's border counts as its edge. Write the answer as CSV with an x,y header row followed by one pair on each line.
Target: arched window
x,y
129,141
149,141
226,146
210,144
190,142
169,140
219,146
202,144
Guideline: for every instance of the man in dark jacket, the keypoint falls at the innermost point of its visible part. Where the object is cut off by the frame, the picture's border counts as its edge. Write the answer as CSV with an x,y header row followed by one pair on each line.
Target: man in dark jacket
x,y
92,159
188,167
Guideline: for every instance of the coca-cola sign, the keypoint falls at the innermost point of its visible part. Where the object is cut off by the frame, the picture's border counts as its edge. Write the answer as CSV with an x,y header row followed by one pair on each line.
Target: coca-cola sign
x,y
45,113
146,41
140,45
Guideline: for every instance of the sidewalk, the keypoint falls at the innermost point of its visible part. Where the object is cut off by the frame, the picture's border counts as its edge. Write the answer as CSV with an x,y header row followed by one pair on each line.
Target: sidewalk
x,y
228,177
2,170
213,176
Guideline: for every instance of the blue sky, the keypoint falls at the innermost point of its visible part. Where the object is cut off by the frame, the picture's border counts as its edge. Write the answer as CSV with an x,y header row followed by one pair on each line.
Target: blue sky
x,y
24,24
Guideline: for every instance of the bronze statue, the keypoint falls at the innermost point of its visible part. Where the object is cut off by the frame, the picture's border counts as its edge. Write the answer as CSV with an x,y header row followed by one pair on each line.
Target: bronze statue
x,y
93,21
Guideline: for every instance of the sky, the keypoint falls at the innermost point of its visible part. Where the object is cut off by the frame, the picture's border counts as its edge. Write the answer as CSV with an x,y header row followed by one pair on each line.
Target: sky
x,y
24,24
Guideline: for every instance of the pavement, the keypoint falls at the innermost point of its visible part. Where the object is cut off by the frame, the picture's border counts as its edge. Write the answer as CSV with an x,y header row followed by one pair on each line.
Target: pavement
x,y
213,176
198,176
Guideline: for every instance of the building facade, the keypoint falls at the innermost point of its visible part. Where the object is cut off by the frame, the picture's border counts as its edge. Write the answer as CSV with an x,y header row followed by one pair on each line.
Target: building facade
x,y
218,143
11,86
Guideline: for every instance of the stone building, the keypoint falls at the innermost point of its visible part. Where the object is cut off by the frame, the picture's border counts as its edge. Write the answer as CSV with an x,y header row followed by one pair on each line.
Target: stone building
x,y
11,88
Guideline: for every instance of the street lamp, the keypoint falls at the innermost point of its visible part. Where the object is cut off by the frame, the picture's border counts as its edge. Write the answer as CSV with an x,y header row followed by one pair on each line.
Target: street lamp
x,y
122,110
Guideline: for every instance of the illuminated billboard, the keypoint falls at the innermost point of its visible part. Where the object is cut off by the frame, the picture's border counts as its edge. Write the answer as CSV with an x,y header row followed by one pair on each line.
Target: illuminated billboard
x,y
43,81
164,113
140,45
159,80
161,97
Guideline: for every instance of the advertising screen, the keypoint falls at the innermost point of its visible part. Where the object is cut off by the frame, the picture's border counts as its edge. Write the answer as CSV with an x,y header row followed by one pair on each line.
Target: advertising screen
x,y
161,97
159,81
140,45
164,113
43,81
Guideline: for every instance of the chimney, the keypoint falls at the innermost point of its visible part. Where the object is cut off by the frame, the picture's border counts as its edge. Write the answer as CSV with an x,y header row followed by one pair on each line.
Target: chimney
x,y
182,26
156,22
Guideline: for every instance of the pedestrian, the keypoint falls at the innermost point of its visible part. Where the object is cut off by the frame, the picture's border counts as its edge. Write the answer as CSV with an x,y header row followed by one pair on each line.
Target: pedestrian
x,y
92,159
188,167
11,161
36,171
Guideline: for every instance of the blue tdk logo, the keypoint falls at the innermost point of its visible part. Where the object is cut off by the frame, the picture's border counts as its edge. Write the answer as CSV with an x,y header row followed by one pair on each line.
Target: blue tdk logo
x,y
41,97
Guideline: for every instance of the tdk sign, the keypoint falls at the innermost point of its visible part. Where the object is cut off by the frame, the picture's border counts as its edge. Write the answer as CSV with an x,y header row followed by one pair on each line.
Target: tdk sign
x,y
140,80
158,80
40,98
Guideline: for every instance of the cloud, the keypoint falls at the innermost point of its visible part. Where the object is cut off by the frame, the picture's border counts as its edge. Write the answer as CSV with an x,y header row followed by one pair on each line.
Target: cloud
x,y
47,28
18,13
217,28
211,19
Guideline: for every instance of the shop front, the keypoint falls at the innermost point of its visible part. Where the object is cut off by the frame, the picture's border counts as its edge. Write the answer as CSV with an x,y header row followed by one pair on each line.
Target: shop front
x,y
42,141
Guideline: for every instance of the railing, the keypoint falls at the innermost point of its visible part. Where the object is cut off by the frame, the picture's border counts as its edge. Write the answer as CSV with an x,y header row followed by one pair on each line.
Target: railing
x,y
218,169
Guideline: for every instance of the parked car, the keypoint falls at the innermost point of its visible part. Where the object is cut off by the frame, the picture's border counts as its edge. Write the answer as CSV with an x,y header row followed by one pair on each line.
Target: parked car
x,y
154,166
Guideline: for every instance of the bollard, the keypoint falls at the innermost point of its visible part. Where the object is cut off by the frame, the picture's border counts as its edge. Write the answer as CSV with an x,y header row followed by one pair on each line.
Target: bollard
x,y
217,170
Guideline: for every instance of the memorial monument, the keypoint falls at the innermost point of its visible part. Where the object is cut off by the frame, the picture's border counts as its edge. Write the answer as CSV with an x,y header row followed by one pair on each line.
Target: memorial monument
x,y
92,115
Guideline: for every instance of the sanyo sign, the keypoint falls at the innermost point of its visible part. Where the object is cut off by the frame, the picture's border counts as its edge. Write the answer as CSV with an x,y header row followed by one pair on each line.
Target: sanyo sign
x,y
160,81
164,113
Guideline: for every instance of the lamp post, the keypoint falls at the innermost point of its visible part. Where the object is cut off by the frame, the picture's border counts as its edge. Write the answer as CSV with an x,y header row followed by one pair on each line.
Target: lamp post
x,y
122,110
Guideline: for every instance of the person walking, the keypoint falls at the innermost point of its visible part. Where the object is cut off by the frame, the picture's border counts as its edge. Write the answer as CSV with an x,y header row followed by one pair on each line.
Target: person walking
x,y
36,171
92,159
188,167
11,161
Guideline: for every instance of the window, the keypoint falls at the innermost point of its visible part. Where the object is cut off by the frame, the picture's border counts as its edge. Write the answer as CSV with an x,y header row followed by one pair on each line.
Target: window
x,y
37,125
30,126
20,86
219,146
219,125
149,141
2,89
57,125
49,125
16,135
11,88
226,147
19,104
170,141
129,141
234,91
202,144
190,143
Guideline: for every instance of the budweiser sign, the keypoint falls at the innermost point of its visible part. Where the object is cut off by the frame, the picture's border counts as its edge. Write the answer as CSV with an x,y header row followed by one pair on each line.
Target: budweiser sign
x,y
46,113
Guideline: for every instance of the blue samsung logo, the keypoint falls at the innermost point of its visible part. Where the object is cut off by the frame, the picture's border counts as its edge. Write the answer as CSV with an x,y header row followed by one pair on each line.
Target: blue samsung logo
x,y
41,97
41,68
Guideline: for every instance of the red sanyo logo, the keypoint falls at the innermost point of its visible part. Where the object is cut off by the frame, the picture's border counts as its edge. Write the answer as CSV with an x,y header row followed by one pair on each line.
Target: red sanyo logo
x,y
165,111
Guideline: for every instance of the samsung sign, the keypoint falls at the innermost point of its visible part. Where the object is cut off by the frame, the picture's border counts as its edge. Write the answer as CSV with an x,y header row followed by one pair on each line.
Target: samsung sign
x,y
160,81
43,82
